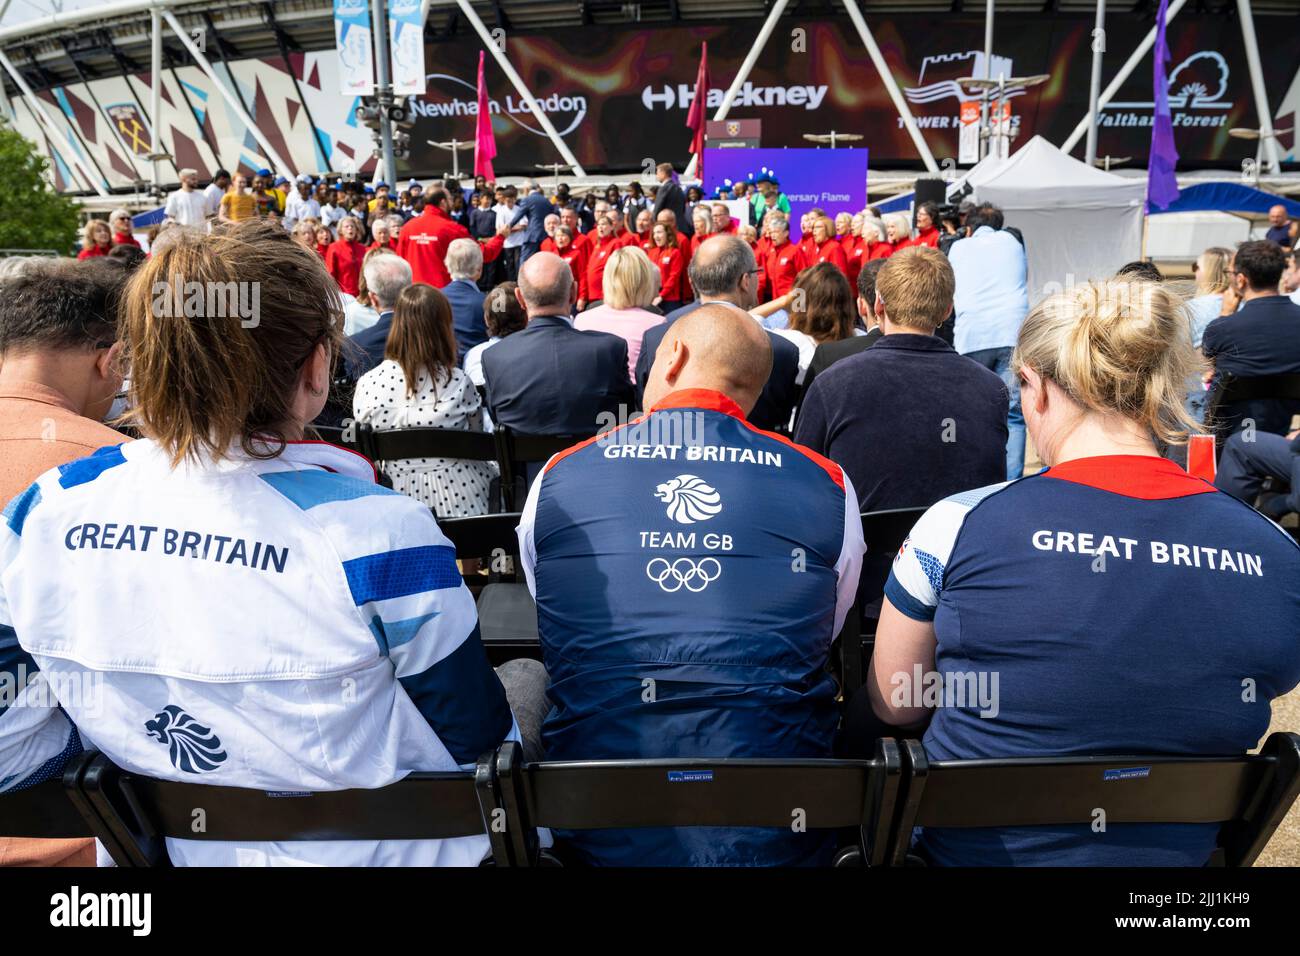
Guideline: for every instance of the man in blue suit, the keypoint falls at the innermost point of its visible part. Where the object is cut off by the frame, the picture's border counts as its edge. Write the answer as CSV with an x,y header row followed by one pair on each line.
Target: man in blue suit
x,y
465,266
534,207
723,270
386,277
1261,338
549,378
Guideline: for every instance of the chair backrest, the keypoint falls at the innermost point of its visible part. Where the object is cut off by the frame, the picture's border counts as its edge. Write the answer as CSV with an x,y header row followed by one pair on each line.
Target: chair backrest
x,y
483,536
399,443
885,531
598,794
518,450
1249,794
45,811
352,437
136,814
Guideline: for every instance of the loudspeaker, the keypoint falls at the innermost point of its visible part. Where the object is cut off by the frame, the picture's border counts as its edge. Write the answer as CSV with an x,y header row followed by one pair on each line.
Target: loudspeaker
x,y
928,189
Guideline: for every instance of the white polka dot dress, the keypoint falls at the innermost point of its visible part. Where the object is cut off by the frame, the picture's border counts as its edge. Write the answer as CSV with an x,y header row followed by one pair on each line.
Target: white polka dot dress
x,y
452,487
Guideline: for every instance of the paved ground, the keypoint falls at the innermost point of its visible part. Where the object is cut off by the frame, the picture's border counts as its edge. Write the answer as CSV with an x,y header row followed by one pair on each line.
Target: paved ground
x,y
1284,848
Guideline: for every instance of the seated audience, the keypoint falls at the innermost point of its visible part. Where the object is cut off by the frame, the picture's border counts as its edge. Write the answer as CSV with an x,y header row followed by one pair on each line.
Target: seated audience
x,y
549,378
1260,338
909,419
419,385
1246,464
723,272
1142,269
828,353
286,568
630,283
732,645
387,275
1098,593
821,310
1213,275
502,316
465,266
59,372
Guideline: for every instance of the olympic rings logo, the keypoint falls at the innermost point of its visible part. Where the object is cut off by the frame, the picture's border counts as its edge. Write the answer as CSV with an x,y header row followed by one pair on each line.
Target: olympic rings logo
x,y
683,573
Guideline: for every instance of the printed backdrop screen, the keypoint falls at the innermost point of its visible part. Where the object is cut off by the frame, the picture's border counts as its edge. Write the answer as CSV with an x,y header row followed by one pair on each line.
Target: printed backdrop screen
x,y
834,179
620,96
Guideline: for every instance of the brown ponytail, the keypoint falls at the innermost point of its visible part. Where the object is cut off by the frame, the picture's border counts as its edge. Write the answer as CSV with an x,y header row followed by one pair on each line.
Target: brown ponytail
x,y
218,328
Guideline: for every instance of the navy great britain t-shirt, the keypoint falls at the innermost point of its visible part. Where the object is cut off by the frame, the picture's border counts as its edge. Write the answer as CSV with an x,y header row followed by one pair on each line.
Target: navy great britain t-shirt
x,y
690,573
1110,605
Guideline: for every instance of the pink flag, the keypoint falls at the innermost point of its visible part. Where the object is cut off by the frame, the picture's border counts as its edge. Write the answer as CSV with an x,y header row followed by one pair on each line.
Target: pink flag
x,y
697,117
485,144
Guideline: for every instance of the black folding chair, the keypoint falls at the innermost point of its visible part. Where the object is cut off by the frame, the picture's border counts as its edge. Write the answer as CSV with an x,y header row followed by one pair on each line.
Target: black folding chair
x,y
351,437
135,815
884,533
1248,795
600,794
517,451
507,615
395,444
1230,390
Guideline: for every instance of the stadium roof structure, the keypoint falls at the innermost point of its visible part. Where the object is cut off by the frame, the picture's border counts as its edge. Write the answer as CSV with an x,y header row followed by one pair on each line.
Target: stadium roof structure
x,y
43,49
87,39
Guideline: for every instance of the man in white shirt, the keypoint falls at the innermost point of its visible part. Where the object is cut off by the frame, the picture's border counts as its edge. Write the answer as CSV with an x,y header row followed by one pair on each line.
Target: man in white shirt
x,y
991,302
216,189
301,204
505,210
187,206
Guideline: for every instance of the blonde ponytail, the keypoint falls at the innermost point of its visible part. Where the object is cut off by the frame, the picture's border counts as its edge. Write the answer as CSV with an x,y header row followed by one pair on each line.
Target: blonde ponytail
x,y
1117,346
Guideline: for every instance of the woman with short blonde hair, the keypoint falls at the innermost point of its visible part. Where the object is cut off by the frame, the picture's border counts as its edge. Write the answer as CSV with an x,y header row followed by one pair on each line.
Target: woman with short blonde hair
x,y
631,283
1116,599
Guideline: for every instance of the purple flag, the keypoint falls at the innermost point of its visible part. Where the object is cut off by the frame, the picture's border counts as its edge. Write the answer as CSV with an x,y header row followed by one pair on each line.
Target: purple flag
x,y
1162,185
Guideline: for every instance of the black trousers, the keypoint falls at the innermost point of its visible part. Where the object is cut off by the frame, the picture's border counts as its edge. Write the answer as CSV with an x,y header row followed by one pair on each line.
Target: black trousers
x,y
1245,465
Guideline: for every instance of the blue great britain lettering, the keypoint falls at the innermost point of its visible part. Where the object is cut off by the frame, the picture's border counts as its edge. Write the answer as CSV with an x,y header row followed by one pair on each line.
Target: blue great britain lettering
x,y
111,536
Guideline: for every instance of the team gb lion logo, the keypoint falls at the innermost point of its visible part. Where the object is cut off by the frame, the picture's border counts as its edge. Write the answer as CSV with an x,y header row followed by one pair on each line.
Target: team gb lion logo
x,y
689,499
192,747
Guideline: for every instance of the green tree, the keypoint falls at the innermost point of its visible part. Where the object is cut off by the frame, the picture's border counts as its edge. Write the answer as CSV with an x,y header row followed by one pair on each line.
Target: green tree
x,y
32,214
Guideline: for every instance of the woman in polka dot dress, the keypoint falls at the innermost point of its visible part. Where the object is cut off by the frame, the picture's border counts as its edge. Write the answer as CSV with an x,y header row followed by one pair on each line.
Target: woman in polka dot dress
x,y
418,384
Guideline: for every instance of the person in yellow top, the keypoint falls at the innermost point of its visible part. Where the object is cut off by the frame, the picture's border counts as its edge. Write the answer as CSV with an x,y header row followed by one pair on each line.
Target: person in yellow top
x,y
381,190
238,203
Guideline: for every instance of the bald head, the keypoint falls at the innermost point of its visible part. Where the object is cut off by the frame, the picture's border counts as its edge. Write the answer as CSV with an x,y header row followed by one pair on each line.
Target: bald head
x,y
724,268
1277,215
545,285
718,347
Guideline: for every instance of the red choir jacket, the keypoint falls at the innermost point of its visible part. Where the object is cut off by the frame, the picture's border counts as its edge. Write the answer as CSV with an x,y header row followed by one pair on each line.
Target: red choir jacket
x,y
671,264
784,263
343,262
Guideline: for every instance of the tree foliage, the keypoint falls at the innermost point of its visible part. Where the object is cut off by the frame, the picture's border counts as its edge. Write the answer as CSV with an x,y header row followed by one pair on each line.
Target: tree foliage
x,y
32,214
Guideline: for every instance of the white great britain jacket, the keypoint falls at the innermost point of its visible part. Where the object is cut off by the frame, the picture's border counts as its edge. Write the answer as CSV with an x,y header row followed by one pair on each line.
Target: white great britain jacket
x,y
281,625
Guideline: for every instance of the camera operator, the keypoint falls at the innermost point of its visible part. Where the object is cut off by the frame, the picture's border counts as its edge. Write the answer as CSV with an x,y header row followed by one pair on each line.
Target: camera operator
x,y
991,302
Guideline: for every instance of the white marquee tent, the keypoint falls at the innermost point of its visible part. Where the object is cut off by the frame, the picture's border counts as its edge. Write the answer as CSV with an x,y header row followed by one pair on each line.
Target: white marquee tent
x,y
1079,222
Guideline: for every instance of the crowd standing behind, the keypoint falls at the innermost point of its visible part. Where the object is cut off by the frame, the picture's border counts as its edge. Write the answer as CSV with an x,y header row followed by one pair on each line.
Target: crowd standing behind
x,y
902,357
